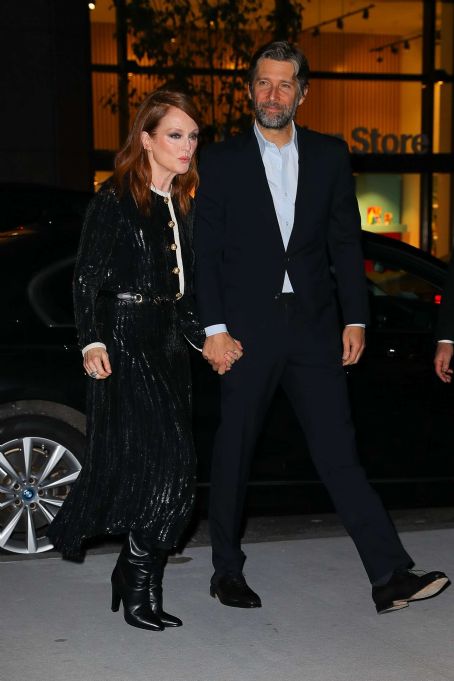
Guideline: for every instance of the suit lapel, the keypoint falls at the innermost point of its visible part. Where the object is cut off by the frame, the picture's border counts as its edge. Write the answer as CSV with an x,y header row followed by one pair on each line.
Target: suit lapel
x,y
258,191
304,179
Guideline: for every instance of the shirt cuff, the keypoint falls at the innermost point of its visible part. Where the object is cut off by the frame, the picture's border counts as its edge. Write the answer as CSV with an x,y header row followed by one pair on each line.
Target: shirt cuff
x,y
215,328
363,326
93,345
446,341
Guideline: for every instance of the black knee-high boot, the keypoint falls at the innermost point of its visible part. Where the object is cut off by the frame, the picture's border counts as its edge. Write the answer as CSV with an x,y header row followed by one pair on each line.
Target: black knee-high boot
x,y
158,558
130,584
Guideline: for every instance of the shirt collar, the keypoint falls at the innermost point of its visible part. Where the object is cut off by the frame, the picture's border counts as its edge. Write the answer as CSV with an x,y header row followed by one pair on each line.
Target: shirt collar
x,y
160,192
263,142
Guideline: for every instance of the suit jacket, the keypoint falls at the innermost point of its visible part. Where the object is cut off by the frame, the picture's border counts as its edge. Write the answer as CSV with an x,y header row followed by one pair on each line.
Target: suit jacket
x,y
445,326
240,256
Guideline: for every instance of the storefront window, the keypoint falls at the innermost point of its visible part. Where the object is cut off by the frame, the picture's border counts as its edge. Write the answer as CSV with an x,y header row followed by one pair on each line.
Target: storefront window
x,y
444,43
442,208
369,85
361,36
373,117
389,205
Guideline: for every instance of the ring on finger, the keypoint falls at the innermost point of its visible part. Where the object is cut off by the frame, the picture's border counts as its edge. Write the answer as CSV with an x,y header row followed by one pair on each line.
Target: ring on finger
x,y
93,374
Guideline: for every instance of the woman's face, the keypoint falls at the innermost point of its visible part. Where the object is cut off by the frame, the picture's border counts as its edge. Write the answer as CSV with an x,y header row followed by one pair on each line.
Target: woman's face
x,y
172,144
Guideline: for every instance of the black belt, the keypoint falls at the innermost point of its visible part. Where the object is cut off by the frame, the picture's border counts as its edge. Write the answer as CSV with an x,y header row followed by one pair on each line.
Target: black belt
x,y
137,298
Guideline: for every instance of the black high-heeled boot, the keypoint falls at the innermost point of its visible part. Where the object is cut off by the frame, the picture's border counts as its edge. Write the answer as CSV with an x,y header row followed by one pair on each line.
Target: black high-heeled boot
x,y
130,584
159,558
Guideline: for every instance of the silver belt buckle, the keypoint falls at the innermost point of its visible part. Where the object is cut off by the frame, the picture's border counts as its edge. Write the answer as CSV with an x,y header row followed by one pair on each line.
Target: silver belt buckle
x,y
133,297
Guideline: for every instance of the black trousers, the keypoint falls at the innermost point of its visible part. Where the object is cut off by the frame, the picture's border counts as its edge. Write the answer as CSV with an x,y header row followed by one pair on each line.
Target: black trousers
x,y
305,358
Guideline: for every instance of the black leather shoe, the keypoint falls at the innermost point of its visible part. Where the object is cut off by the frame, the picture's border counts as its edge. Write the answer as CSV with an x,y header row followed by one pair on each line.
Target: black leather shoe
x,y
405,586
232,589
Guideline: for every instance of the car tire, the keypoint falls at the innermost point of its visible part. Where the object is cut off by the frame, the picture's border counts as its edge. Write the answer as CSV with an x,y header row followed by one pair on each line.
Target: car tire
x,y
40,458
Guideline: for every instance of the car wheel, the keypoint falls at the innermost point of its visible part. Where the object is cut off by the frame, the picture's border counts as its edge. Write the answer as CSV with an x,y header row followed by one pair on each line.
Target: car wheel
x,y
40,458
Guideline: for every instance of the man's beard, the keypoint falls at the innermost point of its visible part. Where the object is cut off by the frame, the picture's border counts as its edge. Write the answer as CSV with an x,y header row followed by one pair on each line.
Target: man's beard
x,y
277,119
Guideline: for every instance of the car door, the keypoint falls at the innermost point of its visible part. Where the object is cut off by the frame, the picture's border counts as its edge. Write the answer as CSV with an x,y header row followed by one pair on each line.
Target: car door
x,y
402,411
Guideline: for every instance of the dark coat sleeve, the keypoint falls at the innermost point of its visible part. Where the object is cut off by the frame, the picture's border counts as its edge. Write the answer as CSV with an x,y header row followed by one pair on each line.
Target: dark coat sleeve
x,y
208,239
445,325
99,234
344,244
186,306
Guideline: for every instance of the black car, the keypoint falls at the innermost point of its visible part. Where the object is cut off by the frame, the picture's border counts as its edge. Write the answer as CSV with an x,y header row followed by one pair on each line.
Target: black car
x,y
403,413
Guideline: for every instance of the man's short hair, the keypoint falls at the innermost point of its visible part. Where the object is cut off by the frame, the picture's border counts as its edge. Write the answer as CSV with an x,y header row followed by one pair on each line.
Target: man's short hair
x,y
281,50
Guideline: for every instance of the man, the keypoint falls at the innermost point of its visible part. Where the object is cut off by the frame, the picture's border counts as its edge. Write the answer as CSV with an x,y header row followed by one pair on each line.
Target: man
x,y
445,330
275,213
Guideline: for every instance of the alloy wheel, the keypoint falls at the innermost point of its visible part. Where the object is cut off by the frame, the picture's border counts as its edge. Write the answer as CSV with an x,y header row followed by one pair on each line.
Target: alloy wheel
x,y
36,474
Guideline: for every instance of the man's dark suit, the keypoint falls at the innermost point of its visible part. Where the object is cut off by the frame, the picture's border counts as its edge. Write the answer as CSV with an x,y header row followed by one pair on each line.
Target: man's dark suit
x,y
445,325
293,340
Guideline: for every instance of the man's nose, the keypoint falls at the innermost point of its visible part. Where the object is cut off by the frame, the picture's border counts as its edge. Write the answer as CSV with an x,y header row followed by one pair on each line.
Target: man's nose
x,y
274,94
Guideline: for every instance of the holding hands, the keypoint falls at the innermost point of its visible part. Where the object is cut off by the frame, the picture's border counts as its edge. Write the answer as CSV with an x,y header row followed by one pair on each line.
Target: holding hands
x,y
221,351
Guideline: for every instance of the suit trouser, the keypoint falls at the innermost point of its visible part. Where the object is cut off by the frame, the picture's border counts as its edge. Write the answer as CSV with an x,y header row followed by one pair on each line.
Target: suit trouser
x,y
305,358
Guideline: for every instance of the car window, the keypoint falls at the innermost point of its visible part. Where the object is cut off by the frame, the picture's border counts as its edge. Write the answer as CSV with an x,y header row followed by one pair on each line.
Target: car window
x,y
50,294
25,207
399,299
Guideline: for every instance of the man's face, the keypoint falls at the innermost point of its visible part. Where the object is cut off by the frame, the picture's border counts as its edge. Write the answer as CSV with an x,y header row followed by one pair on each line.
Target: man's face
x,y
275,93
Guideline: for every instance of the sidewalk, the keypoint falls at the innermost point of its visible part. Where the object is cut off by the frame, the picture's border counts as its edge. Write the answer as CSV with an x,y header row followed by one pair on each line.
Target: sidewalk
x,y
317,622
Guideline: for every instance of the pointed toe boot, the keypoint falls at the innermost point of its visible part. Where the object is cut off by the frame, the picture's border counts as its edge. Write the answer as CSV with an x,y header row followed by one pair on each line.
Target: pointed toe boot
x,y
130,585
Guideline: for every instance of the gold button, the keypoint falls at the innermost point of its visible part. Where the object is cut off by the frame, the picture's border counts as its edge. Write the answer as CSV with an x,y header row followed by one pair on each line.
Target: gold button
x,y
176,270
173,247
171,224
166,199
178,296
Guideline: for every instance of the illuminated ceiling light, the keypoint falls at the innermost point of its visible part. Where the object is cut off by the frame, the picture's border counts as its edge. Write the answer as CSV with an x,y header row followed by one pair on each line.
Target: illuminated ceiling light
x,y
406,45
366,13
315,31
340,23
92,5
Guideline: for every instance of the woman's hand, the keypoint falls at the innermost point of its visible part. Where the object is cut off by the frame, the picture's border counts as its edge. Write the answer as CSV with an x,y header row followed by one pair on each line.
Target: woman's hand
x,y
96,363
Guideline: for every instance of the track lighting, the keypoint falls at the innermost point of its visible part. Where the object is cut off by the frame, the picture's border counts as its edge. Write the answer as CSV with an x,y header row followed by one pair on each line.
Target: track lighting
x,y
92,5
339,21
394,46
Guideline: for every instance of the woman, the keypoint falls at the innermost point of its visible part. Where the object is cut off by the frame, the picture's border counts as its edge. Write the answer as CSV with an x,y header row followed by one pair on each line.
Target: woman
x,y
133,307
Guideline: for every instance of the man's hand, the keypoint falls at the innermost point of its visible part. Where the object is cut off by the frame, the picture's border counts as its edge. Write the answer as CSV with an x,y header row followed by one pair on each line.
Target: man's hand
x,y
96,363
354,342
221,351
443,356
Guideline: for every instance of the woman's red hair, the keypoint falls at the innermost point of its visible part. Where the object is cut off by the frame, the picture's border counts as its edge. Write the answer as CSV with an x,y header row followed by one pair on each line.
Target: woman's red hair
x,y
132,167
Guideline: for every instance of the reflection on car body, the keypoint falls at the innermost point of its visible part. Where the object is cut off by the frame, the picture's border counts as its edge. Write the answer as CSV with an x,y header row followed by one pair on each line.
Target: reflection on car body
x,y
403,415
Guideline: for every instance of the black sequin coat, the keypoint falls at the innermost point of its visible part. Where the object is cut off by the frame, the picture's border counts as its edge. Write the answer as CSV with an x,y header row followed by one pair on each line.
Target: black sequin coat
x,y
139,470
